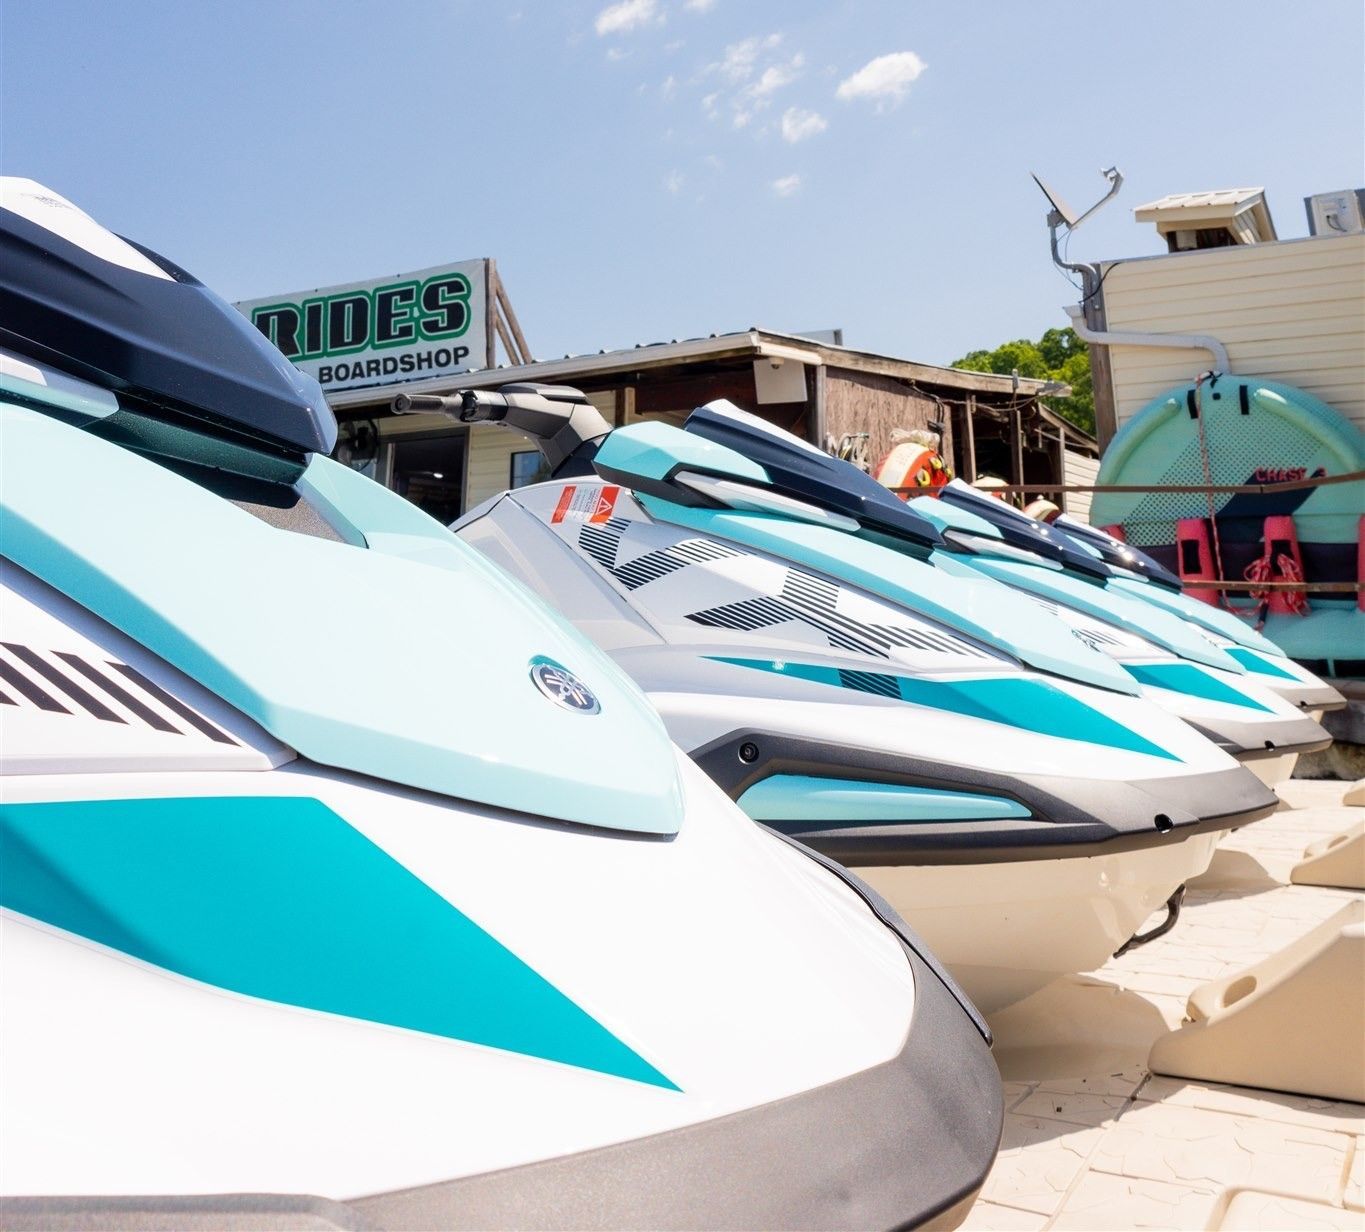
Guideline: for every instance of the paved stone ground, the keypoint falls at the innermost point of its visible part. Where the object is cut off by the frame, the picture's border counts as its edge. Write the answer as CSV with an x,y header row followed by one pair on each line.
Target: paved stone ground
x,y
1094,1141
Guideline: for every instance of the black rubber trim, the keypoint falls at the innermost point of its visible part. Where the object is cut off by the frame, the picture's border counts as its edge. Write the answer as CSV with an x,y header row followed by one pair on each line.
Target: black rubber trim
x,y
905,1144
1260,738
1070,817
1306,696
192,1213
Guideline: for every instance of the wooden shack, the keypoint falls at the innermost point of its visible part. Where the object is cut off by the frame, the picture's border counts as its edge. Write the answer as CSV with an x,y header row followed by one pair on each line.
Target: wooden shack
x,y
823,392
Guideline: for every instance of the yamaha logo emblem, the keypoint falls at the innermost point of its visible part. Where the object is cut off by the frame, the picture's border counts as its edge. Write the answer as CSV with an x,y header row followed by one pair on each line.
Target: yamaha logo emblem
x,y
562,687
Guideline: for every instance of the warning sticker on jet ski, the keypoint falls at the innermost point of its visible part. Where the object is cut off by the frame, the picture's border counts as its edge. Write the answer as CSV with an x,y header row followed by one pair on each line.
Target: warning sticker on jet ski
x,y
591,504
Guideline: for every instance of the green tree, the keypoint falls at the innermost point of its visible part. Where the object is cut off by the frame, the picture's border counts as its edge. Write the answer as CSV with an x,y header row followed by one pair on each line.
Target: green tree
x,y
1057,356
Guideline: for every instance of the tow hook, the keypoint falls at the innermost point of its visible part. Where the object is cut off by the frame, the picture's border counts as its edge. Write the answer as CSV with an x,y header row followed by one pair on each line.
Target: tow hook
x,y
1172,915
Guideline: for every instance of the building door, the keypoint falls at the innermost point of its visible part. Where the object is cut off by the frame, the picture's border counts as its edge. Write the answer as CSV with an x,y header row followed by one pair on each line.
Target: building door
x,y
429,471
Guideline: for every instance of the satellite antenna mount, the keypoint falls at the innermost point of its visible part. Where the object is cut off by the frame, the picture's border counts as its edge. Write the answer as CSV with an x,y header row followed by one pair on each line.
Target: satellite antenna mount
x,y
1062,216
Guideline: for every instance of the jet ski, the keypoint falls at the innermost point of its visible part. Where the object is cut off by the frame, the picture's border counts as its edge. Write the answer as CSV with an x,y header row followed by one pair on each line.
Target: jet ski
x,y
1136,573
1261,713
1000,782
345,885
1174,666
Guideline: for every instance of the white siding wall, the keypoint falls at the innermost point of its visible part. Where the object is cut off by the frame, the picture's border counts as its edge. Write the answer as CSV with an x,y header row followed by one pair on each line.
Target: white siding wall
x,y
1079,469
490,461
1292,311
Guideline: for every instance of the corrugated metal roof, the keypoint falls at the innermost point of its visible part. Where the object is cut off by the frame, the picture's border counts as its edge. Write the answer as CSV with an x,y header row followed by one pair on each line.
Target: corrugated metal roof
x,y
1234,197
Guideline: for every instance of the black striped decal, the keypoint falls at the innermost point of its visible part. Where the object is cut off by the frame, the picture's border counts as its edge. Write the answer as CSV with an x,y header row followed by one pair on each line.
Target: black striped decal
x,y
118,693
87,702
805,597
192,717
26,688
871,682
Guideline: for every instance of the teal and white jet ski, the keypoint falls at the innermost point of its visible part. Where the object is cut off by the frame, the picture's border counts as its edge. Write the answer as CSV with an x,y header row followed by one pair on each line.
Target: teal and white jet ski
x,y
1173,663
343,885
1250,699
1001,782
1133,572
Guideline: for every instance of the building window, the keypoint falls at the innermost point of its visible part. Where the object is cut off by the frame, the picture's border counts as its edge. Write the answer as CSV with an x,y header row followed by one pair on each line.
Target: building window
x,y
528,467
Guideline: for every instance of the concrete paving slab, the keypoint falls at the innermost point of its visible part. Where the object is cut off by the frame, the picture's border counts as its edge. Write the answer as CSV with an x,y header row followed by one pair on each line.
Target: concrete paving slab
x,y
1305,1110
988,1217
1253,1210
1076,1107
1119,1082
1093,1141
1039,1161
1191,1146
1103,1201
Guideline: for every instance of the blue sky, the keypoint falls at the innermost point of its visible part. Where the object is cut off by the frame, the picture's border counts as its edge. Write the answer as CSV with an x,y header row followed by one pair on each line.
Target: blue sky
x,y
663,168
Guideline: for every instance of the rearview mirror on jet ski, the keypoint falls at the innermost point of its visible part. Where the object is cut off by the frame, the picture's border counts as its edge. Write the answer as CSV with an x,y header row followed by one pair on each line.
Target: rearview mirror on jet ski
x,y
563,424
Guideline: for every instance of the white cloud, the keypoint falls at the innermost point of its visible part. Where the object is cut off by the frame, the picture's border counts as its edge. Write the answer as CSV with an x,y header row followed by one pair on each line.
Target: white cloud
x,y
616,53
673,182
885,79
775,76
787,185
700,6
798,124
626,16
738,62
754,75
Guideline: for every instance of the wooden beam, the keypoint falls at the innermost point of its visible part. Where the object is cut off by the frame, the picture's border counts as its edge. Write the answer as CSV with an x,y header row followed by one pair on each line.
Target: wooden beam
x,y
969,439
505,306
1016,448
508,346
817,416
1101,372
687,392
490,311
929,374
1059,466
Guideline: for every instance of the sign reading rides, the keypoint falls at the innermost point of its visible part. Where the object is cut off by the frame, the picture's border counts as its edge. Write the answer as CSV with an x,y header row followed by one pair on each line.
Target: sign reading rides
x,y
383,331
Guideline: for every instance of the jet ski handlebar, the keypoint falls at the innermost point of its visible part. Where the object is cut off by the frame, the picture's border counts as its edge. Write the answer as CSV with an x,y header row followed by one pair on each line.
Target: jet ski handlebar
x,y
558,420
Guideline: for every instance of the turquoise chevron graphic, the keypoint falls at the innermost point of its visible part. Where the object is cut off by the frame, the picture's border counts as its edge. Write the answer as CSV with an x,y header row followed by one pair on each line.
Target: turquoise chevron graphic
x,y
1033,705
1256,662
1193,682
279,898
